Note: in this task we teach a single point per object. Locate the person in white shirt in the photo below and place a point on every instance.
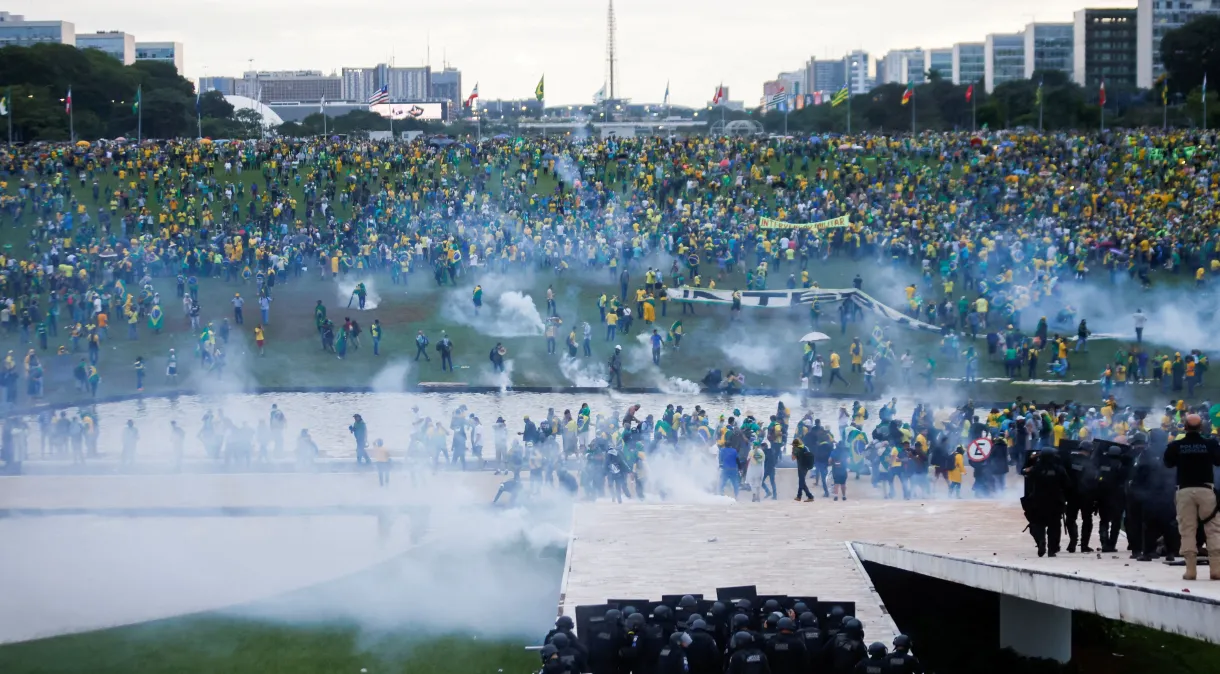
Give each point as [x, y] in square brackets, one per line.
[1140, 321]
[870, 367]
[816, 370]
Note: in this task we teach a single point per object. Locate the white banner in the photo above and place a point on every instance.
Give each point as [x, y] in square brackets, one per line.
[779, 299]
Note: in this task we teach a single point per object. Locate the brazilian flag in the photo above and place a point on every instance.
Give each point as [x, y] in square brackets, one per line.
[540, 90]
[155, 318]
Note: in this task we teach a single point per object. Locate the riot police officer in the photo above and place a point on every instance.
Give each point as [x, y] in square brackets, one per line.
[747, 658]
[847, 649]
[551, 662]
[673, 657]
[876, 663]
[571, 656]
[1111, 462]
[703, 654]
[604, 644]
[1045, 486]
[811, 634]
[1081, 497]
[901, 661]
[785, 650]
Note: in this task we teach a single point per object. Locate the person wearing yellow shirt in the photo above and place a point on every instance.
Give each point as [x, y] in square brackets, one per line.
[611, 325]
[1058, 431]
[260, 339]
[957, 472]
[835, 371]
[1199, 277]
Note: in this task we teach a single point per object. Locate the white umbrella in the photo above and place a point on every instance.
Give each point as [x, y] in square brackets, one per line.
[816, 337]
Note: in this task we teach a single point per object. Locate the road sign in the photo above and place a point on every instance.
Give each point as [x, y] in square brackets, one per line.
[979, 450]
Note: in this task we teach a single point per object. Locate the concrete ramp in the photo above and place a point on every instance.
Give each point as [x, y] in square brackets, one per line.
[636, 550]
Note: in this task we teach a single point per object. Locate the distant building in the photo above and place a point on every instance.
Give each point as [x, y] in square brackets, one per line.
[1105, 47]
[290, 86]
[166, 52]
[404, 84]
[225, 85]
[940, 60]
[1048, 46]
[16, 31]
[1003, 59]
[446, 85]
[857, 66]
[1154, 18]
[116, 43]
[828, 76]
[903, 66]
[969, 62]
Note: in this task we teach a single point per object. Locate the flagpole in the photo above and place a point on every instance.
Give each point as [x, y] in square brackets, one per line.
[71, 117]
[912, 110]
[139, 116]
[9, 96]
[848, 110]
[974, 114]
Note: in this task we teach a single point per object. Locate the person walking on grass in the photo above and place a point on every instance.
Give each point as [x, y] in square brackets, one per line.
[260, 338]
[381, 461]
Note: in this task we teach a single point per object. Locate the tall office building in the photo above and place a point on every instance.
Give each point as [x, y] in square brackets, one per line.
[857, 65]
[1154, 18]
[290, 86]
[903, 66]
[227, 86]
[828, 76]
[165, 52]
[1048, 46]
[969, 62]
[1105, 47]
[447, 86]
[1003, 59]
[15, 31]
[119, 45]
[940, 60]
[404, 84]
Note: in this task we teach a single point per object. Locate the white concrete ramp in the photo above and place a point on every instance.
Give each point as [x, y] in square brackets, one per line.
[644, 551]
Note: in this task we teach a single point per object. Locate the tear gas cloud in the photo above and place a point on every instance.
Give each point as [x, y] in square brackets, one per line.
[346, 294]
[509, 314]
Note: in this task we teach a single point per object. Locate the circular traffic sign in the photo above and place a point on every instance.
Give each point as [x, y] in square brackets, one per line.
[979, 450]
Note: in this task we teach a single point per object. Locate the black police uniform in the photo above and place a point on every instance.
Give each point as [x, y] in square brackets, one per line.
[673, 657]
[1081, 500]
[786, 653]
[1111, 481]
[748, 660]
[1045, 488]
[703, 654]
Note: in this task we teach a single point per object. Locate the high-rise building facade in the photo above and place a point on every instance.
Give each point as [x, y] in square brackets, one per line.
[165, 52]
[857, 66]
[969, 62]
[940, 60]
[828, 76]
[227, 86]
[291, 86]
[119, 45]
[16, 31]
[1003, 59]
[903, 66]
[1048, 46]
[447, 86]
[1154, 18]
[1105, 47]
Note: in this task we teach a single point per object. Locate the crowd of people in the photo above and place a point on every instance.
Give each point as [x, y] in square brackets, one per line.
[993, 224]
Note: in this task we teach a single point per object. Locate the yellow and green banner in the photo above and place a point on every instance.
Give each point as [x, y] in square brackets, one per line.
[833, 223]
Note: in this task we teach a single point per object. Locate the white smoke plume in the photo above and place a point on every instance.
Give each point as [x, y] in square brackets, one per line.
[347, 287]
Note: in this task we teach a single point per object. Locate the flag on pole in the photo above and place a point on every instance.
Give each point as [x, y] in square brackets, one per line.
[198, 104]
[4, 103]
[600, 96]
[665, 100]
[474, 95]
[1204, 85]
[380, 96]
[908, 94]
[840, 97]
[68, 102]
[540, 90]
[135, 105]
[1164, 82]
[719, 95]
[322, 105]
[969, 93]
[1038, 96]
[1101, 94]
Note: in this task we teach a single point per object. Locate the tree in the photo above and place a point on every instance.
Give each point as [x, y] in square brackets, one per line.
[213, 104]
[1191, 51]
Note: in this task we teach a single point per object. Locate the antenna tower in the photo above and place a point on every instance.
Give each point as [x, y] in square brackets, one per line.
[611, 57]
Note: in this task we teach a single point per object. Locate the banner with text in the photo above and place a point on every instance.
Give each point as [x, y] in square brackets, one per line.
[780, 299]
[833, 223]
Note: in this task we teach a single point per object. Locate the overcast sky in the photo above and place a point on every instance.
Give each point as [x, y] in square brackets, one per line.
[505, 45]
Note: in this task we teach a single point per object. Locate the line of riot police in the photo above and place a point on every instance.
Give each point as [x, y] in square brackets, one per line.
[1115, 481]
[720, 638]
